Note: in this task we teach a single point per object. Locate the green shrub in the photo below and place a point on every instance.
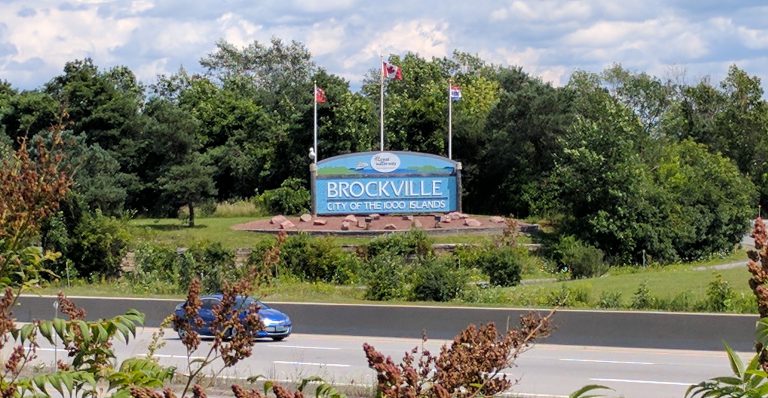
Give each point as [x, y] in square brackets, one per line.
[581, 259]
[438, 279]
[155, 262]
[412, 243]
[212, 263]
[473, 293]
[318, 259]
[291, 198]
[98, 244]
[719, 295]
[642, 298]
[610, 300]
[385, 278]
[503, 265]
[569, 296]
[683, 301]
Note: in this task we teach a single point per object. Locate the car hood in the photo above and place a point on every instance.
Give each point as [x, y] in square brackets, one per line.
[272, 316]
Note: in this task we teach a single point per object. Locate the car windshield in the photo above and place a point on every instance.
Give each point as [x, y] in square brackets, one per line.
[246, 301]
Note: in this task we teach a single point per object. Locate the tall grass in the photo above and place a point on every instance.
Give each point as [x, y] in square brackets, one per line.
[240, 208]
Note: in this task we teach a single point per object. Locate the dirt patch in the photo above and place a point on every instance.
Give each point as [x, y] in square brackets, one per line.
[365, 225]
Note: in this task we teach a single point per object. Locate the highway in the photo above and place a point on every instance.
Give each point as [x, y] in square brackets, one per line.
[547, 370]
[639, 354]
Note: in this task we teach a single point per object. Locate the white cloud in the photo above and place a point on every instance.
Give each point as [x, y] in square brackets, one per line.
[325, 37]
[58, 36]
[542, 11]
[324, 5]
[425, 37]
[236, 30]
[665, 37]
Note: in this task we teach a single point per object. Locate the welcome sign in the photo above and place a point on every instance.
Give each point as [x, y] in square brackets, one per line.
[386, 182]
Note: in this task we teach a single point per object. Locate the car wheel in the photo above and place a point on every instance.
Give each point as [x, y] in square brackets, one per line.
[279, 338]
[182, 334]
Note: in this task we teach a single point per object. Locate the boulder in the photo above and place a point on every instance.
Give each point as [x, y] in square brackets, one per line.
[345, 225]
[287, 224]
[374, 216]
[471, 222]
[277, 220]
[305, 217]
[463, 216]
[319, 221]
[454, 215]
[496, 219]
[408, 218]
[350, 218]
[417, 224]
[361, 224]
[390, 227]
[445, 219]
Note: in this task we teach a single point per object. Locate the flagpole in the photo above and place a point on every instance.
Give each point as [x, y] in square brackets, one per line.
[450, 106]
[314, 95]
[381, 105]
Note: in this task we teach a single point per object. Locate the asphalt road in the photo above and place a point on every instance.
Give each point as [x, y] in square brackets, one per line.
[547, 370]
[588, 328]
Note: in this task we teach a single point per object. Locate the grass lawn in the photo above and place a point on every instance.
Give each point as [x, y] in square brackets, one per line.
[686, 282]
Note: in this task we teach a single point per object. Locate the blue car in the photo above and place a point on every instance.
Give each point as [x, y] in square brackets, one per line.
[277, 325]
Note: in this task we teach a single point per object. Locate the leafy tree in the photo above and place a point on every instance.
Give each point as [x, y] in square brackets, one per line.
[189, 184]
[522, 141]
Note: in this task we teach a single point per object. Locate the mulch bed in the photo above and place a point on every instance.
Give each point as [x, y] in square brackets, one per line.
[454, 223]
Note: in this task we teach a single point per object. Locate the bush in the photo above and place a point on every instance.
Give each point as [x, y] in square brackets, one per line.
[569, 296]
[581, 259]
[156, 267]
[642, 298]
[318, 259]
[610, 300]
[412, 243]
[438, 279]
[98, 244]
[503, 265]
[291, 198]
[385, 278]
[719, 295]
[211, 263]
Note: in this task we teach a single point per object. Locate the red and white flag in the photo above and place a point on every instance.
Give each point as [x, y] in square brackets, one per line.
[320, 95]
[392, 71]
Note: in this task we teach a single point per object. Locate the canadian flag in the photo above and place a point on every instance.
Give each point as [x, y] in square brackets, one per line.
[392, 72]
[320, 95]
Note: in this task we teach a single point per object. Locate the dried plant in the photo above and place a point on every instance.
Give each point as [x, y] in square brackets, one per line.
[471, 365]
[758, 267]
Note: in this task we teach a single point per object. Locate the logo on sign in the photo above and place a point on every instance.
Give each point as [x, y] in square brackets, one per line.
[385, 162]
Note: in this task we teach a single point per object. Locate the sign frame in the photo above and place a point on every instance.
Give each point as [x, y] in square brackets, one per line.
[385, 182]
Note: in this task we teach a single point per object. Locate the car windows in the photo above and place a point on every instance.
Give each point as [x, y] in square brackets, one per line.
[209, 303]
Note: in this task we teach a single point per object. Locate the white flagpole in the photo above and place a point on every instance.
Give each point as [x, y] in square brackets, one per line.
[450, 105]
[381, 105]
[314, 95]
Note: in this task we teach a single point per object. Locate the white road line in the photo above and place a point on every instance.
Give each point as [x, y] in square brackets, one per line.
[305, 347]
[170, 356]
[667, 383]
[330, 365]
[606, 361]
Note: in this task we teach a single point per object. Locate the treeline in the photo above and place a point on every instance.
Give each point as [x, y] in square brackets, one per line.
[636, 165]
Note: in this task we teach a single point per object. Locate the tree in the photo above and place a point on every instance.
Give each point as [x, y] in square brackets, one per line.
[188, 184]
[522, 139]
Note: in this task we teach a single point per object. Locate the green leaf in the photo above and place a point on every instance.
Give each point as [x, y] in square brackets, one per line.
[84, 330]
[46, 330]
[26, 331]
[761, 331]
[736, 365]
[124, 330]
[591, 387]
[60, 326]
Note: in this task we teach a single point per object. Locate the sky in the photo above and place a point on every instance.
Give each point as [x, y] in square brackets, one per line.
[685, 39]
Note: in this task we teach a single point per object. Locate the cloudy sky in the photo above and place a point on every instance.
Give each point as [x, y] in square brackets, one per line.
[549, 39]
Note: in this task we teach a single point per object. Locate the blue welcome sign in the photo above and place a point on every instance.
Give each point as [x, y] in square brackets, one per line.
[385, 183]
